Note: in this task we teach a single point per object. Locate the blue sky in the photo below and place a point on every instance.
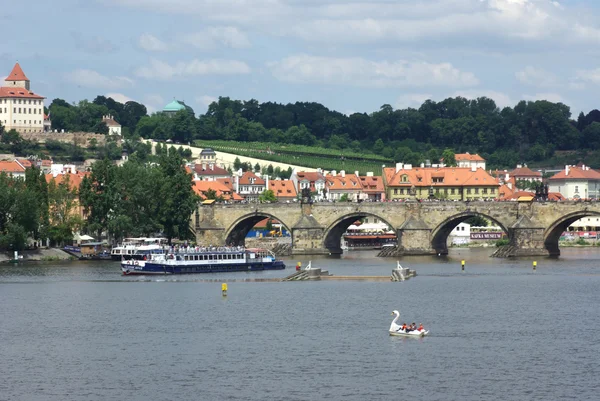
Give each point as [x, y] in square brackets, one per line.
[349, 55]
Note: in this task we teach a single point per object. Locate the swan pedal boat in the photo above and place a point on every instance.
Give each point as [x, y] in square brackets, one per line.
[396, 329]
[414, 333]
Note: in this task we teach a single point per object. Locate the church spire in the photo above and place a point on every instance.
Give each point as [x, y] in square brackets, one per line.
[17, 74]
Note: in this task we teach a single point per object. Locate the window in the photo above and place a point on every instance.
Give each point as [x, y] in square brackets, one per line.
[485, 190]
[402, 191]
[404, 178]
[452, 191]
[493, 190]
[395, 191]
[19, 109]
[477, 190]
[469, 191]
[14, 109]
[576, 188]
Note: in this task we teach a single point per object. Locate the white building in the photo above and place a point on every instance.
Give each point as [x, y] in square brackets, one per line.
[576, 183]
[470, 161]
[114, 128]
[460, 235]
[20, 108]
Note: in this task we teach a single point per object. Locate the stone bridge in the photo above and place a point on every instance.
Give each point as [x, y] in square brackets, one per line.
[533, 228]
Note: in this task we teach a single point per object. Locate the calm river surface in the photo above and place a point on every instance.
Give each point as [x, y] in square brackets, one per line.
[499, 331]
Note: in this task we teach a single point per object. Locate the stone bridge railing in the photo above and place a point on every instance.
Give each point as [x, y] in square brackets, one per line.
[422, 228]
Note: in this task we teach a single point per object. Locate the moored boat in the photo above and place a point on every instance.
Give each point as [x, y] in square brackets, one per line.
[130, 246]
[201, 260]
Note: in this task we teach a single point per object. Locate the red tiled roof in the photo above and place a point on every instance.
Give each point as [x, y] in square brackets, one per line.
[110, 122]
[505, 192]
[263, 223]
[372, 184]
[228, 182]
[553, 196]
[200, 187]
[25, 163]
[11, 167]
[18, 93]
[216, 170]
[311, 176]
[469, 157]
[16, 74]
[576, 173]
[283, 188]
[74, 179]
[347, 183]
[525, 172]
[245, 179]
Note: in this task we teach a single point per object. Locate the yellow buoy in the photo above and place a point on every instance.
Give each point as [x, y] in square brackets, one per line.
[534, 264]
[224, 289]
[462, 265]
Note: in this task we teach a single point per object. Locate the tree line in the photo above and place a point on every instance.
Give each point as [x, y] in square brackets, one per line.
[535, 132]
[135, 199]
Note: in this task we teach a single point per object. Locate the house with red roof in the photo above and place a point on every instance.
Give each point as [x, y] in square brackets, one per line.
[373, 188]
[576, 182]
[342, 184]
[201, 188]
[313, 180]
[208, 171]
[13, 168]
[454, 183]
[249, 185]
[469, 160]
[284, 190]
[20, 108]
[524, 173]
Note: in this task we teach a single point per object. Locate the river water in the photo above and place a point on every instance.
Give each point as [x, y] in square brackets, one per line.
[498, 331]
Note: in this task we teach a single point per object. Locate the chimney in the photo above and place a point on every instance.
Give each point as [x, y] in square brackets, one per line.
[356, 173]
[398, 167]
[333, 172]
[236, 181]
[422, 165]
[427, 163]
[343, 173]
[408, 166]
[266, 182]
[566, 170]
[369, 174]
[519, 166]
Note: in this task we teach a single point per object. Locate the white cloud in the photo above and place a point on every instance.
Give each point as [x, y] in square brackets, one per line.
[588, 75]
[206, 100]
[119, 97]
[214, 37]
[154, 102]
[357, 71]
[93, 79]
[151, 43]
[413, 100]
[502, 99]
[536, 77]
[161, 70]
[551, 97]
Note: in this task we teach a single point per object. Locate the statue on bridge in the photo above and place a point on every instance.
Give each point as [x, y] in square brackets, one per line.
[541, 192]
[306, 197]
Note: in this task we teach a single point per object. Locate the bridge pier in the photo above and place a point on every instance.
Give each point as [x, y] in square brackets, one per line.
[414, 238]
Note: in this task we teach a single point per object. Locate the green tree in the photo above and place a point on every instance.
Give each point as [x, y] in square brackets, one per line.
[449, 157]
[267, 196]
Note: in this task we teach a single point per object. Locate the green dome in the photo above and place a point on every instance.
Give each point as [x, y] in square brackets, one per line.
[174, 106]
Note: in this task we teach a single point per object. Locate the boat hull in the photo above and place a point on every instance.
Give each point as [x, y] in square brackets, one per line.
[149, 268]
[409, 334]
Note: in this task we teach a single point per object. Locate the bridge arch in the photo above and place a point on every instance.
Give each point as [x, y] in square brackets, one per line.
[439, 236]
[332, 237]
[236, 233]
[555, 230]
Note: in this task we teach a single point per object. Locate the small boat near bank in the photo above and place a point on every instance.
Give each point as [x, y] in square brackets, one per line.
[200, 260]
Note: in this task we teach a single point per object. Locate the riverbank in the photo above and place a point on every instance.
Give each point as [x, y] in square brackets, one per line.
[37, 255]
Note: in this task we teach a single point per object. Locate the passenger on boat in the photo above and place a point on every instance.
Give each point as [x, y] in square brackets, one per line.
[421, 328]
[404, 327]
[413, 326]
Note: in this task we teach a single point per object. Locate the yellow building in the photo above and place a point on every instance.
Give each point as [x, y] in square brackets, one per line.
[452, 183]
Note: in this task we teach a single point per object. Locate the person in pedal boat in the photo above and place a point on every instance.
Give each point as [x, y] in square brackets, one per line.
[421, 328]
[404, 327]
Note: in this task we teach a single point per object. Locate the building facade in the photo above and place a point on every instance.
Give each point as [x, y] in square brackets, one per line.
[452, 183]
[576, 183]
[468, 160]
[20, 108]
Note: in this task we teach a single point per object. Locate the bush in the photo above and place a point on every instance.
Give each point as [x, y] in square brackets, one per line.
[502, 242]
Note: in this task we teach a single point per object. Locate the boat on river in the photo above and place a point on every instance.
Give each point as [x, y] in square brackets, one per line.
[130, 246]
[189, 260]
[396, 329]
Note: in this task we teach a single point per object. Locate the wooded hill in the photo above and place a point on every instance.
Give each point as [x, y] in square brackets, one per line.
[540, 133]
